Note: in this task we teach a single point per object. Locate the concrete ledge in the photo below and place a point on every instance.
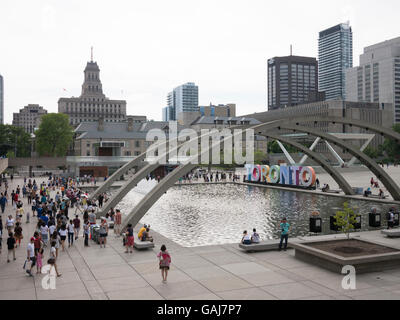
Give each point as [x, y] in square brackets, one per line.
[335, 263]
[262, 246]
[143, 245]
[391, 233]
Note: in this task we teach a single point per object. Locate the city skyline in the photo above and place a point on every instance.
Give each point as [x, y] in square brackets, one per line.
[140, 61]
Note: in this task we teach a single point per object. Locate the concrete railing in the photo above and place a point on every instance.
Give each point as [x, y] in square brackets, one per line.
[3, 164]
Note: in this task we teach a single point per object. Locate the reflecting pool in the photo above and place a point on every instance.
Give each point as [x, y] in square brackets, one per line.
[196, 215]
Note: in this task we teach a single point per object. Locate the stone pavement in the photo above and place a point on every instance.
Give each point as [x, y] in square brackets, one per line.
[200, 273]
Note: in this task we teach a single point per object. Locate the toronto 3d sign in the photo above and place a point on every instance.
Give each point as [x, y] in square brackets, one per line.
[285, 175]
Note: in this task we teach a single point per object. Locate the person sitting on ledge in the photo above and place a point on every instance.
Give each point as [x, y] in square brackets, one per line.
[255, 237]
[246, 239]
[367, 192]
[381, 194]
[140, 233]
[146, 235]
[325, 188]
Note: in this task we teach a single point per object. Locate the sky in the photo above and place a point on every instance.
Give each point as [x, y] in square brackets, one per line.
[146, 48]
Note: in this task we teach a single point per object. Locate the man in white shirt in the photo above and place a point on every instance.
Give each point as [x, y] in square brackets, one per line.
[31, 256]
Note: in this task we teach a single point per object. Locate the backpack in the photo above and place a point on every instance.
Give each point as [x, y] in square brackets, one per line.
[166, 260]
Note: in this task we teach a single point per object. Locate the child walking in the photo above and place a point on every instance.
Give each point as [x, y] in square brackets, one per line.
[164, 261]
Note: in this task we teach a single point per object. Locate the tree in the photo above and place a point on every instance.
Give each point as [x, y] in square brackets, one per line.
[54, 135]
[391, 147]
[260, 157]
[371, 152]
[346, 219]
[273, 147]
[14, 141]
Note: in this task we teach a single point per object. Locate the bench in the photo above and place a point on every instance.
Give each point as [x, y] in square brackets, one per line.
[262, 246]
[332, 191]
[375, 196]
[391, 233]
[142, 245]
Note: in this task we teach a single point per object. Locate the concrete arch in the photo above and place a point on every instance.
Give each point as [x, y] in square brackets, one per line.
[145, 204]
[387, 181]
[388, 133]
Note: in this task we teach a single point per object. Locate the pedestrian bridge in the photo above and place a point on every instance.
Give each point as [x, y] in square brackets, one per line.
[267, 129]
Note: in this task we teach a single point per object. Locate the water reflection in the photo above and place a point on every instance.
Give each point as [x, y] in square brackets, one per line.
[218, 214]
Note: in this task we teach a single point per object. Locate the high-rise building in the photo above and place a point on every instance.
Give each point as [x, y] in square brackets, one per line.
[29, 117]
[182, 102]
[221, 110]
[1, 100]
[169, 113]
[377, 79]
[335, 55]
[92, 104]
[291, 81]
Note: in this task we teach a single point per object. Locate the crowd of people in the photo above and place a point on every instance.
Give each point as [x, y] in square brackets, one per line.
[58, 205]
[212, 176]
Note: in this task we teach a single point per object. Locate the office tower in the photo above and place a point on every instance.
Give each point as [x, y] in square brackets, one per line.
[182, 103]
[335, 55]
[92, 104]
[29, 117]
[377, 79]
[291, 80]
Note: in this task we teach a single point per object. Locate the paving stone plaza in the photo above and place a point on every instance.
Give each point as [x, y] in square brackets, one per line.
[198, 273]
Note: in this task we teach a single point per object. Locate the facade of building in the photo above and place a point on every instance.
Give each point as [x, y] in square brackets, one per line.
[374, 113]
[29, 117]
[377, 79]
[335, 55]
[92, 104]
[221, 110]
[1, 100]
[291, 81]
[183, 99]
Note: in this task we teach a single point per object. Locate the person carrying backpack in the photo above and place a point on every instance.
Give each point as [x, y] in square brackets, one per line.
[164, 262]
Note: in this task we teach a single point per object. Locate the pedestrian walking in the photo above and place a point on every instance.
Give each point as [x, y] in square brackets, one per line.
[164, 262]
[117, 222]
[285, 228]
[11, 243]
[86, 232]
[77, 226]
[71, 233]
[129, 239]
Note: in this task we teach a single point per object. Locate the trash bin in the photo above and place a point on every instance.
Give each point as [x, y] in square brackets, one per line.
[315, 224]
[396, 220]
[332, 225]
[375, 220]
[357, 224]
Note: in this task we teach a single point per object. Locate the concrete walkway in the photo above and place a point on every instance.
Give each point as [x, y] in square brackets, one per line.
[201, 273]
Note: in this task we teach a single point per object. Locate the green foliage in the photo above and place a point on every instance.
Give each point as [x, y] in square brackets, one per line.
[371, 152]
[54, 135]
[391, 147]
[14, 141]
[346, 219]
[273, 147]
[260, 157]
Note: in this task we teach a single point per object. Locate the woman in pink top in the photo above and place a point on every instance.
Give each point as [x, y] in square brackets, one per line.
[117, 222]
[165, 261]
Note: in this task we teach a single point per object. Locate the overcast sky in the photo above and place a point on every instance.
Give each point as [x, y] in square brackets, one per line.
[146, 48]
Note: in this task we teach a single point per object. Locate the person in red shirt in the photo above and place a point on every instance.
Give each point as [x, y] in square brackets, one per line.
[37, 242]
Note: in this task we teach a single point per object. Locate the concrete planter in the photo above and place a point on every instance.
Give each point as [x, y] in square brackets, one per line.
[335, 262]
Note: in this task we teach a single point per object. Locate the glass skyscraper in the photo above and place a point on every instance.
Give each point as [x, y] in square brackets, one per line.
[335, 51]
[184, 98]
